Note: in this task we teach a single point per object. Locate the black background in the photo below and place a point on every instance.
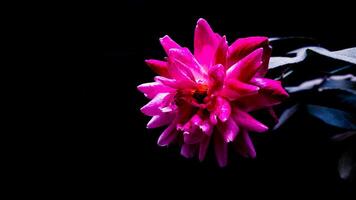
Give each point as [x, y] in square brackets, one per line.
[110, 145]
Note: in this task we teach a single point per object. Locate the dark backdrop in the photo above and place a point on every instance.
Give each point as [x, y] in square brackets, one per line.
[111, 144]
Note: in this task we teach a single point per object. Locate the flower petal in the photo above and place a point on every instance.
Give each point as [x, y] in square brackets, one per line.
[246, 68]
[244, 145]
[221, 52]
[167, 43]
[256, 101]
[203, 147]
[223, 109]
[159, 101]
[186, 58]
[267, 51]
[271, 93]
[150, 90]
[178, 70]
[273, 114]
[205, 43]
[272, 87]
[177, 84]
[229, 130]
[247, 121]
[193, 137]
[188, 150]
[244, 46]
[216, 77]
[235, 89]
[206, 127]
[158, 66]
[168, 135]
[184, 113]
[160, 120]
[220, 149]
[213, 118]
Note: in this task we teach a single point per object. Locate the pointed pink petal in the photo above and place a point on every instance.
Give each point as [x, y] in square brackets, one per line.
[247, 121]
[244, 46]
[167, 43]
[273, 114]
[183, 69]
[152, 108]
[257, 101]
[160, 120]
[185, 113]
[267, 51]
[150, 90]
[246, 68]
[188, 150]
[272, 87]
[189, 126]
[186, 58]
[158, 66]
[179, 70]
[235, 89]
[223, 109]
[206, 127]
[229, 130]
[220, 149]
[205, 43]
[191, 131]
[221, 52]
[244, 145]
[174, 83]
[168, 135]
[193, 137]
[216, 77]
[196, 119]
[213, 118]
[271, 93]
[203, 147]
[167, 82]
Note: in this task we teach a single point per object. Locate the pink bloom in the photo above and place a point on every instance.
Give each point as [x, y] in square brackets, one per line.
[206, 97]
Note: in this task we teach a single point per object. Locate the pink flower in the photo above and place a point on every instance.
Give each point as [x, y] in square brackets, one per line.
[207, 96]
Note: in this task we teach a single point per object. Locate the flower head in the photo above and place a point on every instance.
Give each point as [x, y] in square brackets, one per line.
[206, 97]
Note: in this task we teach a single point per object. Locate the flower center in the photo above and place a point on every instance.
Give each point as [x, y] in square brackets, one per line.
[195, 97]
[200, 94]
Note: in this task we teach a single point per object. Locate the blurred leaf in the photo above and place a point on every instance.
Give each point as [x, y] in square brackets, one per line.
[343, 136]
[282, 45]
[347, 55]
[347, 165]
[345, 82]
[332, 116]
[307, 85]
[286, 115]
[341, 82]
[341, 69]
[335, 98]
